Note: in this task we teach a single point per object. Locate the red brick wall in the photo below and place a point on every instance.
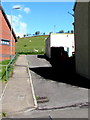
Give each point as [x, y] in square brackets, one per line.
[5, 33]
[4, 58]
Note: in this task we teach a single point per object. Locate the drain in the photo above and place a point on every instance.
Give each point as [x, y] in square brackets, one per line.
[42, 99]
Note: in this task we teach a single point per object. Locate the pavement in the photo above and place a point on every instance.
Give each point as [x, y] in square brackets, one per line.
[18, 95]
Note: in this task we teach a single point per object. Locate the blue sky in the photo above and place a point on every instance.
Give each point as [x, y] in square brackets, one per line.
[40, 16]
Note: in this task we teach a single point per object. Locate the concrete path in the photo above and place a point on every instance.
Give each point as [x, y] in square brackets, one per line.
[0, 88]
[18, 92]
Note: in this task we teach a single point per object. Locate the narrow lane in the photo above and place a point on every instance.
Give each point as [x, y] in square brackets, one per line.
[59, 93]
[45, 84]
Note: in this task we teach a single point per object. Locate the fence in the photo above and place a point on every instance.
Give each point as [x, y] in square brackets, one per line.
[8, 69]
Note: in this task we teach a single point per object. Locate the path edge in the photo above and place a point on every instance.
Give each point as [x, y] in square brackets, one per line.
[32, 88]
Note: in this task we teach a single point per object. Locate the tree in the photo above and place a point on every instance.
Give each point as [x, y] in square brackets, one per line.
[68, 31]
[24, 35]
[50, 32]
[37, 32]
[44, 33]
[18, 37]
[72, 31]
[61, 31]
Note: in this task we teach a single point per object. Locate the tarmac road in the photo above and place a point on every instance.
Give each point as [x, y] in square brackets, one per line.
[47, 83]
[58, 93]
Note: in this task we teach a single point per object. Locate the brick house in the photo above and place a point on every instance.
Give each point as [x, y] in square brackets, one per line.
[5, 37]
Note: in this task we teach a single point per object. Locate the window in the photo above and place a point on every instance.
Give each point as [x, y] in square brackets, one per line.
[5, 42]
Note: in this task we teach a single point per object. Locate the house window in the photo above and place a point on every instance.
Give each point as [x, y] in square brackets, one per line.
[5, 42]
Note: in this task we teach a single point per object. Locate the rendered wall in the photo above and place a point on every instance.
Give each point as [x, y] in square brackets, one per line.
[89, 41]
[65, 40]
[48, 48]
[59, 40]
[82, 54]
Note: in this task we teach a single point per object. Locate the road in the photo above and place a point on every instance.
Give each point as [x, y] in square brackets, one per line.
[65, 100]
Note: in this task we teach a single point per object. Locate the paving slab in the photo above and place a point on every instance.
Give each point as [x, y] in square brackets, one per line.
[0, 95]
[18, 93]
[0, 88]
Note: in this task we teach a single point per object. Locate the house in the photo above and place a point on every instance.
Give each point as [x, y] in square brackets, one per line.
[6, 37]
[82, 38]
[57, 40]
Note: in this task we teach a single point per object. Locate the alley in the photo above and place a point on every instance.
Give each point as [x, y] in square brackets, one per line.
[45, 81]
[64, 100]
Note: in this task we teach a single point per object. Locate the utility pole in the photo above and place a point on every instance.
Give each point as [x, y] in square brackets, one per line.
[11, 44]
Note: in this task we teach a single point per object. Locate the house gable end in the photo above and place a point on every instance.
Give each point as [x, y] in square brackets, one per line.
[8, 23]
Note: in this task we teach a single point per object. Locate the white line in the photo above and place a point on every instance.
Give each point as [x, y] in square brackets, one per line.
[33, 93]
[2, 95]
[30, 80]
[3, 91]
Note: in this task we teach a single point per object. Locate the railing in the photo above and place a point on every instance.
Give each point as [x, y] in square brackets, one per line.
[9, 68]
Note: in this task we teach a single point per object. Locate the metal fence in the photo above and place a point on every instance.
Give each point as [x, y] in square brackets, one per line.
[8, 68]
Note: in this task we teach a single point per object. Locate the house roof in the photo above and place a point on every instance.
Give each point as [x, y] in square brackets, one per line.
[8, 22]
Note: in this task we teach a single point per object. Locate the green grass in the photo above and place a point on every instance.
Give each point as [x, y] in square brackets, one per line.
[4, 114]
[27, 45]
[5, 62]
[9, 68]
[3, 69]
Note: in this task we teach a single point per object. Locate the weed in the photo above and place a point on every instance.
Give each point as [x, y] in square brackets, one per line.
[4, 114]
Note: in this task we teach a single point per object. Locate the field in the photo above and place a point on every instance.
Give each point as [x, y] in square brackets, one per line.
[31, 45]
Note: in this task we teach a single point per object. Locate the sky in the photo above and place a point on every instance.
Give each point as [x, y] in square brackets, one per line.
[39, 16]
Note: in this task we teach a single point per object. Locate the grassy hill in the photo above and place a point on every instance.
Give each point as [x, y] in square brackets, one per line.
[28, 45]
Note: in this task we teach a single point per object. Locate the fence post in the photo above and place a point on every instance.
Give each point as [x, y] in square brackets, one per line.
[6, 72]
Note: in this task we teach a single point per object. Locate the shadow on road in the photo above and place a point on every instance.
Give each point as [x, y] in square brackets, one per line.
[63, 73]
[61, 76]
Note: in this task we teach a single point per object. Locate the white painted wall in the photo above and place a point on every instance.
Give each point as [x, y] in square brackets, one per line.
[48, 49]
[58, 40]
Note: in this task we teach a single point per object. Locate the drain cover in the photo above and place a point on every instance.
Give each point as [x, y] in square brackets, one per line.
[42, 99]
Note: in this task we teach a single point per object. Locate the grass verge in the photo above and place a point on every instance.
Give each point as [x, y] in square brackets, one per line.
[31, 53]
[6, 68]
[3, 65]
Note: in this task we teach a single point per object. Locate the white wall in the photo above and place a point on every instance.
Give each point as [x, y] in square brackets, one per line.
[58, 40]
[65, 40]
[48, 49]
